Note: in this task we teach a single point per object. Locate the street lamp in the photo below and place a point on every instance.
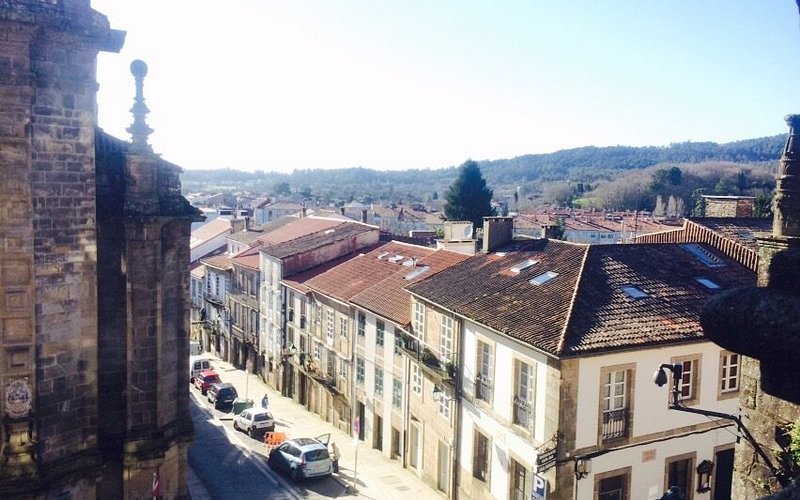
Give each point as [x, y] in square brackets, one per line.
[660, 379]
[439, 395]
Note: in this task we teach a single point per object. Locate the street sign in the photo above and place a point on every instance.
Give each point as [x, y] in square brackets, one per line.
[545, 460]
[539, 489]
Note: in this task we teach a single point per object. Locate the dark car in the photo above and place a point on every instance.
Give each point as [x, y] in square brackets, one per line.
[302, 458]
[205, 380]
[222, 395]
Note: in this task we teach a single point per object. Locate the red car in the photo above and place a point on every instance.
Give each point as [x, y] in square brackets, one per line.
[205, 379]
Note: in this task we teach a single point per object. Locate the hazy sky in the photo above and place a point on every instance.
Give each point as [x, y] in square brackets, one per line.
[391, 84]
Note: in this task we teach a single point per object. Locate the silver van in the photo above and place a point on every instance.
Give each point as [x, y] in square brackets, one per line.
[197, 365]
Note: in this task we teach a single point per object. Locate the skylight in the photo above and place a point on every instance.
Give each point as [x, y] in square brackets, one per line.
[328, 231]
[523, 265]
[382, 255]
[634, 292]
[711, 285]
[409, 262]
[416, 272]
[703, 255]
[543, 278]
[396, 259]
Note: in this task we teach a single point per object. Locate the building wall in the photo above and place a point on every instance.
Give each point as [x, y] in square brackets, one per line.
[656, 432]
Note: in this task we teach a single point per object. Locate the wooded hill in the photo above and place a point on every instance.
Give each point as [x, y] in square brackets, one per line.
[584, 175]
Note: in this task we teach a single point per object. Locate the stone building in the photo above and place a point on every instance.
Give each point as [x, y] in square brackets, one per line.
[94, 241]
[763, 323]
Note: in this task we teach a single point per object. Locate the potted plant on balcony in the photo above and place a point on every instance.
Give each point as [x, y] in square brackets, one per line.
[429, 358]
[450, 368]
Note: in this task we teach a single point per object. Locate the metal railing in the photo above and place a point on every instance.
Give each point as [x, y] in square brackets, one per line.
[615, 424]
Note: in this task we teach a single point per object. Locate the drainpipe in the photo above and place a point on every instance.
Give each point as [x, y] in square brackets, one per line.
[406, 410]
[457, 398]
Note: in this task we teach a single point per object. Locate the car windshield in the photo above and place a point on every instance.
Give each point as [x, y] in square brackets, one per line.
[227, 391]
[260, 417]
[314, 455]
[213, 379]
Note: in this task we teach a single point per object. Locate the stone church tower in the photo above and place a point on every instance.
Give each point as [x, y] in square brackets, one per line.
[94, 246]
[763, 323]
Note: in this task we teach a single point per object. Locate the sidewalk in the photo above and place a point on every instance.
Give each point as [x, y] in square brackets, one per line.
[377, 477]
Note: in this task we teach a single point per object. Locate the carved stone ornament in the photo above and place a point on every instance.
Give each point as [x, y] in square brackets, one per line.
[18, 398]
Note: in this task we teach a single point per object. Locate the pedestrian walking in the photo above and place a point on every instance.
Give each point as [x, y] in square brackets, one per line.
[335, 457]
[265, 401]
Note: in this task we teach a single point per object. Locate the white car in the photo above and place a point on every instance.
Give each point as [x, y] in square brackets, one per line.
[254, 421]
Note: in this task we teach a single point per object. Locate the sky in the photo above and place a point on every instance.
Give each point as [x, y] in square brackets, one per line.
[398, 84]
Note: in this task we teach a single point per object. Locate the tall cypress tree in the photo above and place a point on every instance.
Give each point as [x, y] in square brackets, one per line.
[468, 198]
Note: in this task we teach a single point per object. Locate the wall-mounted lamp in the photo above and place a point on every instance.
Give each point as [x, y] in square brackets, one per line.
[704, 476]
[660, 378]
[583, 466]
[439, 394]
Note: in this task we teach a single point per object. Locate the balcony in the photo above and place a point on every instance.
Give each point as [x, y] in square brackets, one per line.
[522, 412]
[483, 388]
[615, 424]
[416, 350]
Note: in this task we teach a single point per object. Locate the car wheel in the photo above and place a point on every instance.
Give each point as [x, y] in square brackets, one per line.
[251, 432]
[235, 427]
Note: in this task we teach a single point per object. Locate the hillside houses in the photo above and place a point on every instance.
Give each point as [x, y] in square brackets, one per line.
[530, 359]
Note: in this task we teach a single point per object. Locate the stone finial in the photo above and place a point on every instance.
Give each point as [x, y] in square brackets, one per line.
[786, 221]
[139, 130]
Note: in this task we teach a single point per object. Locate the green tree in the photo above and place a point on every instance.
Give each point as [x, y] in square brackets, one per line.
[698, 203]
[282, 188]
[468, 198]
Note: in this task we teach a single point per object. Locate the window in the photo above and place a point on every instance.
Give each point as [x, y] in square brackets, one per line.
[397, 393]
[524, 385]
[709, 284]
[483, 380]
[379, 381]
[443, 406]
[362, 322]
[446, 338]
[416, 379]
[729, 373]
[329, 327]
[331, 356]
[614, 393]
[342, 368]
[398, 340]
[519, 481]
[689, 387]
[679, 474]
[343, 327]
[634, 292]
[360, 370]
[543, 278]
[380, 329]
[613, 485]
[480, 456]
[419, 321]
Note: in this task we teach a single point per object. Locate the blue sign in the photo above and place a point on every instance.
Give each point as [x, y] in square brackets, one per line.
[539, 489]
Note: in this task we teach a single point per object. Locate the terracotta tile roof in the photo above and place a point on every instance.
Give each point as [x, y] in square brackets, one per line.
[254, 233]
[605, 317]
[737, 229]
[292, 242]
[344, 281]
[222, 262]
[389, 299]
[298, 281]
[583, 309]
[246, 259]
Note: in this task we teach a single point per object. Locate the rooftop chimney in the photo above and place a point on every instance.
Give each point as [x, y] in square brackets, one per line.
[364, 215]
[497, 232]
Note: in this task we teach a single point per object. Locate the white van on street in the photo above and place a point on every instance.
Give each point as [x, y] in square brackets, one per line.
[197, 365]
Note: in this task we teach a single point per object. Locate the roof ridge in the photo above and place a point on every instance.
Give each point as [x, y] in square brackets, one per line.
[563, 340]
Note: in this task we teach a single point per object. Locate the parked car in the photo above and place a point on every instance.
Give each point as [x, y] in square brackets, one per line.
[222, 395]
[254, 421]
[197, 365]
[204, 380]
[302, 458]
